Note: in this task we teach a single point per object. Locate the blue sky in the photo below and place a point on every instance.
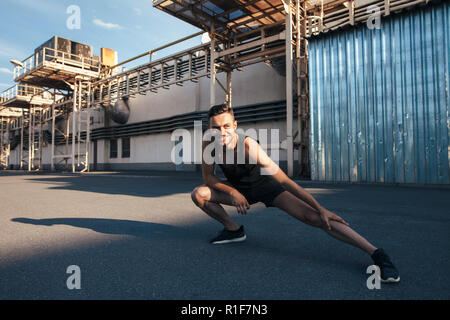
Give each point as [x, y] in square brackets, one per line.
[130, 27]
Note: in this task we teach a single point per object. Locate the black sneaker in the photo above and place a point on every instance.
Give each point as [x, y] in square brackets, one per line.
[389, 272]
[227, 236]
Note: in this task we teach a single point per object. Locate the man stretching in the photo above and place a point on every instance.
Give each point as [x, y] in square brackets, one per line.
[245, 185]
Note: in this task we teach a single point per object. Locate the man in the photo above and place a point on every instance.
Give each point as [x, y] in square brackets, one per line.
[259, 179]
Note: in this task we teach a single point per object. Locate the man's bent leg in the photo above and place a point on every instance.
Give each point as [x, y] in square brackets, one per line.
[300, 210]
[209, 200]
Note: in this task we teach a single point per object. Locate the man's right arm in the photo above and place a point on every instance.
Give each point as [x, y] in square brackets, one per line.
[210, 179]
[238, 200]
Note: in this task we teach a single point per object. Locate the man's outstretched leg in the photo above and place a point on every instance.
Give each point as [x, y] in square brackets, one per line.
[300, 210]
[209, 201]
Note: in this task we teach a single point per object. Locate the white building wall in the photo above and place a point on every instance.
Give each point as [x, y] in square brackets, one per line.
[254, 84]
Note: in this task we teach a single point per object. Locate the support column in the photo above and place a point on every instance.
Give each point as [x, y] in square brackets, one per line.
[41, 137]
[52, 160]
[299, 84]
[75, 96]
[30, 142]
[79, 123]
[88, 127]
[66, 137]
[229, 74]
[289, 140]
[212, 67]
[8, 139]
[229, 88]
[21, 140]
[1, 142]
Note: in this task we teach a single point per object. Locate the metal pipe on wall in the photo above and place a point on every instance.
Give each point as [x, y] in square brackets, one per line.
[289, 140]
[212, 68]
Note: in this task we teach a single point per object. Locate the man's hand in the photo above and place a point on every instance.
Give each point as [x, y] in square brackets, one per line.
[240, 202]
[326, 216]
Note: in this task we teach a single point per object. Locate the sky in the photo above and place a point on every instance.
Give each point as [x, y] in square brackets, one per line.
[130, 27]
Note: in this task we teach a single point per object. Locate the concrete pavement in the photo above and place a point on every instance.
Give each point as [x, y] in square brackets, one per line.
[139, 236]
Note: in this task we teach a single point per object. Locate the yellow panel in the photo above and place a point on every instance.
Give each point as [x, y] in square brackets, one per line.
[108, 57]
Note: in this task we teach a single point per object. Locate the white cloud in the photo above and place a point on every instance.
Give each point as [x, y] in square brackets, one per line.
[137, 11]
[107, 25]
[6, 70]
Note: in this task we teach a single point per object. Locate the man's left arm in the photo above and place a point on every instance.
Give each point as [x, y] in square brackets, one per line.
[301, 193]
[271, 168]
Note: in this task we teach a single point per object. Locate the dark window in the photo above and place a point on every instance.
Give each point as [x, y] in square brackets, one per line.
[113, 148]
[126, 147]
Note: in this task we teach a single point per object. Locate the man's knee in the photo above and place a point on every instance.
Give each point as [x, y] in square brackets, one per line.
[199, 195]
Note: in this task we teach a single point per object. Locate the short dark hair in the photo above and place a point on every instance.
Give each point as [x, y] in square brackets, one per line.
[219, 109]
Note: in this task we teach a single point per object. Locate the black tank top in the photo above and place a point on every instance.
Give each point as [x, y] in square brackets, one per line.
[242, 174]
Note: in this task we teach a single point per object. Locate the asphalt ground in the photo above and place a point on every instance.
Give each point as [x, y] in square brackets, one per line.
[139, 236]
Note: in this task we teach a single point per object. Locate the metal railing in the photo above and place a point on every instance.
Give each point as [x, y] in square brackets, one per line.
[24, 90]
[188, 65]
[49, 56]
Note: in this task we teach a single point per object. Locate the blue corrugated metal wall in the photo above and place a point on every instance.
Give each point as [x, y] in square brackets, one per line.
[379, 100]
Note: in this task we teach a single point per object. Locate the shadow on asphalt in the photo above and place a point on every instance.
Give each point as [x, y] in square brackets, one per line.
[110, 226]
[140, 187]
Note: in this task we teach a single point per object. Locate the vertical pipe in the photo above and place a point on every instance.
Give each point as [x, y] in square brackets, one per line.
[138, 82]
[229, 88]
[299, 86]
[79, 123]
[150, 71]
[212, 68]
[33, 127]
[40, 138]
[88, 127]
[1, 142]
[351, 12]
[21, 140]
[289, 147]
[229, 74]
[30, 117]
[75, 96]
[67, 113]
[190, 65]
[100, 98]
[52, 161]
[8, 142]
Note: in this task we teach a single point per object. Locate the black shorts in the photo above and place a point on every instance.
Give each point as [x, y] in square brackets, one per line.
[264, 192]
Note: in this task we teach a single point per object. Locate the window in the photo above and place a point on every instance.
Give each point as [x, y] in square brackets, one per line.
[126, 147]
[113, 148]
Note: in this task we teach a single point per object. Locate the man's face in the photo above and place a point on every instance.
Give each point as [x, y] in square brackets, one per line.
[224, 125]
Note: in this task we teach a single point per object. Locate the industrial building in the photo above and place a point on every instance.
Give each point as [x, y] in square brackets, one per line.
[359, 91]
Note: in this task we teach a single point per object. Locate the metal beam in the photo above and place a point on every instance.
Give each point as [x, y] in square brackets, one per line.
[289, 100]
[252, 44]
[212, 67]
